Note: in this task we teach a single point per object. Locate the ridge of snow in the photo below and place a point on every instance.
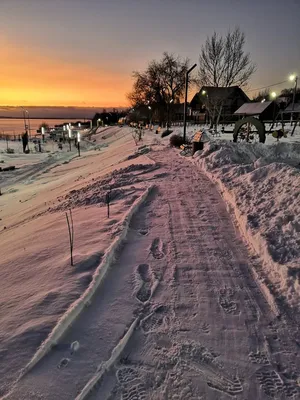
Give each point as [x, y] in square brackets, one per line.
[105, 366]
[264, 192]
[76, 308]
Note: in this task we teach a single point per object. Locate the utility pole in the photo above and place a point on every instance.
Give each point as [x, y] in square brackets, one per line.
[185, 99]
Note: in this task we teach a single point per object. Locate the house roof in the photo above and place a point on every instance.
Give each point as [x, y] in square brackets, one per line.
[290, 110]
[253, 108]
[222, 92]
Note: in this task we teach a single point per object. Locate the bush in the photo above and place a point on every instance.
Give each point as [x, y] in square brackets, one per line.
[176, 140]
[10, 151]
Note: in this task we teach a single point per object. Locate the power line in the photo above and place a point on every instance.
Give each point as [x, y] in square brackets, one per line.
[265, 87]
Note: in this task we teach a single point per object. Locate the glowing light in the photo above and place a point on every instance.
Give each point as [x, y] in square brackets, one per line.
[273, 95]
[78, 137]
[203, 92]
[292, 77]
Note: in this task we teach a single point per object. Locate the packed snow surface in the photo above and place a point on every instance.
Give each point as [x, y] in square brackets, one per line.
[262, 183]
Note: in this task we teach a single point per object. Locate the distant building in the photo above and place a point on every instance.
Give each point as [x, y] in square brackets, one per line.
[231, 98]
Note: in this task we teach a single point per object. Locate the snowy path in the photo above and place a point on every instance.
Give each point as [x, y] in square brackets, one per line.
[208, 332]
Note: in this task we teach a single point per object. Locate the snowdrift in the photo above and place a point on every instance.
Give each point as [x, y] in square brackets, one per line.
[262, 184]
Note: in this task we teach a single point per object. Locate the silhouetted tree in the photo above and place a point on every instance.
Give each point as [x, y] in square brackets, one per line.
[161, 84]
[223, 61]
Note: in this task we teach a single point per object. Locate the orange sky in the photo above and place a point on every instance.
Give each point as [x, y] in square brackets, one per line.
[83, 52]
[29, 79]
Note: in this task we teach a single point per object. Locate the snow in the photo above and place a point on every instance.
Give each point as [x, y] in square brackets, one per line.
[163, 297]
[77, 307]
[262, 185]
[37, 283]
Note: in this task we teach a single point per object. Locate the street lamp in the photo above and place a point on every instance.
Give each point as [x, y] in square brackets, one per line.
[185, 99]
[204, 92]
[79, 125]
[294, 78]
[168, 113]
[69, 136]
[78, 141]
[149, 108]
[43, 134]
[263, 100]
[273, 96]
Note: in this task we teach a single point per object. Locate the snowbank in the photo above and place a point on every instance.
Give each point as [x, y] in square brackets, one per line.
[75, 310]
[262, 184]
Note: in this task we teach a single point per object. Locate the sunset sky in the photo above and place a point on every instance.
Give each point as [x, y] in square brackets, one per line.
[82, 52]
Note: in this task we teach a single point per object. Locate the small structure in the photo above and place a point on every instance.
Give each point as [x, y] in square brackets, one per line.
[253, 115]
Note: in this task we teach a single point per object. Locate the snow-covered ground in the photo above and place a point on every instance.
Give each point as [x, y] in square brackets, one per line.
[262, 185]
[163, 300]
[37, 282]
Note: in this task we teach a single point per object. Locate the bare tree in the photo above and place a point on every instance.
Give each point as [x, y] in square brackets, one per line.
[223, 61]
[161, 84]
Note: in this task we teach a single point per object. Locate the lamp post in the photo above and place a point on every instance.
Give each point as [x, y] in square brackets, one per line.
[78, 143]
[185, 99]
[273, 96]
[150, 119]
[206, 107]
[69, 136]
[295, 79]
[168, 113]
[43, 134]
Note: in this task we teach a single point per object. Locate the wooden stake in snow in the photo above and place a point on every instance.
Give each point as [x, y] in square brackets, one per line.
[71, 233]
[107, 201]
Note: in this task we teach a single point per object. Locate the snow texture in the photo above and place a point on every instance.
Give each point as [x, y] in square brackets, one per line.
[74, 311]
[262, 184]
[106, 366]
